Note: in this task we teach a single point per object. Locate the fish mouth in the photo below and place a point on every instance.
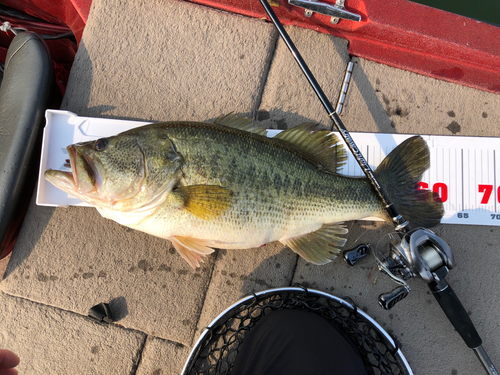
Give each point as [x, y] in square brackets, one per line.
[62, 180]
[82, 170]
[72, 158]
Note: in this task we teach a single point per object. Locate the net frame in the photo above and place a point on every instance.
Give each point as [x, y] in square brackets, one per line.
[218, 345]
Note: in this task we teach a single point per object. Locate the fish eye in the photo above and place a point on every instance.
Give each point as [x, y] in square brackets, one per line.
[100, 144]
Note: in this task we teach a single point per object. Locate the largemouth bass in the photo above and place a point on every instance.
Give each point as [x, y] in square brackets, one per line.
[226, 185]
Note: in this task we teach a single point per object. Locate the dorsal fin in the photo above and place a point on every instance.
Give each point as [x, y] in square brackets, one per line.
[320, 147]
[240, 122]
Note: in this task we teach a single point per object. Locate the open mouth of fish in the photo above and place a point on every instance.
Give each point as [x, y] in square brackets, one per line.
[81, 170]
[81, 179]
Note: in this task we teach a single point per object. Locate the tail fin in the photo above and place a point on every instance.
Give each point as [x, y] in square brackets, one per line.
[399, 175]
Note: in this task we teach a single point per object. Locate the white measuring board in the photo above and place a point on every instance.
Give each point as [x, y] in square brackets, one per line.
[465, 171]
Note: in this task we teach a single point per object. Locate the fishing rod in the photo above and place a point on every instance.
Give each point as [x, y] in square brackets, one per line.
[418, 253]
[401, 224]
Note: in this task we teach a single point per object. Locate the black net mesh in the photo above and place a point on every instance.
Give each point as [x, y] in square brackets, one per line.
[217, 351]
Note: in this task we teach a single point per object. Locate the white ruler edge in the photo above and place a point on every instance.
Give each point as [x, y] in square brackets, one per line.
[465, 171]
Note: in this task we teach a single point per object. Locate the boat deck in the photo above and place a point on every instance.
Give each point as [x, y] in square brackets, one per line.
[172, 60]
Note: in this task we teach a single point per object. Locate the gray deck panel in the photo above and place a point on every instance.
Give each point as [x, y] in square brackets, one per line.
[79, 259]
[287, 99]
[389, 100]
[53, 341]
[162, 357]
[168, 60]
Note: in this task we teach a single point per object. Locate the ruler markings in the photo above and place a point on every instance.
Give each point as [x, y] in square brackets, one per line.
[491, 177]
[473, 179]
[463, 187]
[475, 172]
[483, 169]
[459, 154]
[495, 189]
[482, 179]
[472, 176]
[487, 161]
[478, 176]
[459, 179]
[453, 192]
[459, 174]
[467, 159]
[485, 164]
[446, 177]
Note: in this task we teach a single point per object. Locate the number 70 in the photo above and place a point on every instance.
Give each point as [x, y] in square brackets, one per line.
[487, 190]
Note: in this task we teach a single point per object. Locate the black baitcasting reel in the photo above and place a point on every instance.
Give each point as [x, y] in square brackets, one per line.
[421, 253]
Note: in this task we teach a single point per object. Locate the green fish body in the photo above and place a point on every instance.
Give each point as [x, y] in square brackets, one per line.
[226, 185]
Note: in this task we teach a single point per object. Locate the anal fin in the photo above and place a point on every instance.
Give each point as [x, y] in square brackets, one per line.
[192, 249]
[321, 246]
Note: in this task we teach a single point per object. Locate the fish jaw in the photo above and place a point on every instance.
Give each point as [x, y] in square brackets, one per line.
[65, 182]
[80, 182]
[61, 180]
[84, 173]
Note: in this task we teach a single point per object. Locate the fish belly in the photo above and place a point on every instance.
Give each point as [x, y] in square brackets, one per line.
[257, 219]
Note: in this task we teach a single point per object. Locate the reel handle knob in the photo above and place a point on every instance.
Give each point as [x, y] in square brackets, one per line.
[351, 256]
[388, 300]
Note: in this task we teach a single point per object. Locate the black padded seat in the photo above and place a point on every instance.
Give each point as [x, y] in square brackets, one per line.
[24, 96]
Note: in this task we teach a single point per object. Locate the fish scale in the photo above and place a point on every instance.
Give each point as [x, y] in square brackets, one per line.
[264, 207]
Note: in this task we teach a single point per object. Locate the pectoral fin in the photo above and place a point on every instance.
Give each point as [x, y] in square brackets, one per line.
[204, 201]
[191, 249]
[321, 246]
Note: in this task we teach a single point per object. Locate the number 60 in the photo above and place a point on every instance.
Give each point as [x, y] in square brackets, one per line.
[440, 188]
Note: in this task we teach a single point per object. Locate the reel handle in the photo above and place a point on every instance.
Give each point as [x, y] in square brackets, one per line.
[388, 300]
[455, 312]
[351, 256]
